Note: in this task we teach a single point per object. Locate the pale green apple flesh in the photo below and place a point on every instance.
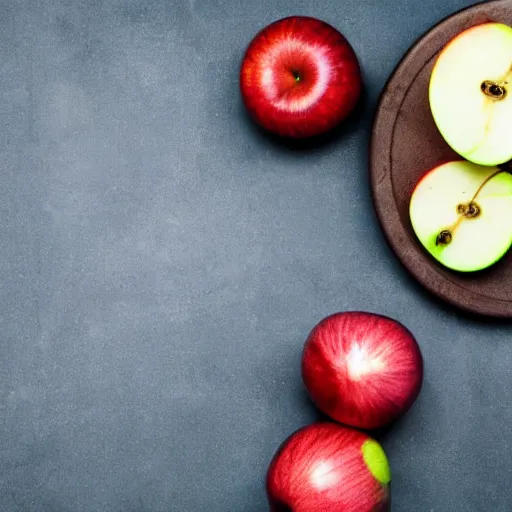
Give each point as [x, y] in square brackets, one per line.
[461, 213]
[470, 94]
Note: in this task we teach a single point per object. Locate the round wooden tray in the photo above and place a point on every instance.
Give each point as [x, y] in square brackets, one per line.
[405, 144]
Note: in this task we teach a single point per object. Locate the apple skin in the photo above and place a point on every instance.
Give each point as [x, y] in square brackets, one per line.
[477, 243]
[474, 124]
[300, 77]
[362, 369]
[326, 467]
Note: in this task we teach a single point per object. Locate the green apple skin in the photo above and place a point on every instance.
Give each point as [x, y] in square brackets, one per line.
[473, 124]
[478, 242]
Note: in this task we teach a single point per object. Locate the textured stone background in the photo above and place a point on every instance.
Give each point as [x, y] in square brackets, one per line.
[162, 263]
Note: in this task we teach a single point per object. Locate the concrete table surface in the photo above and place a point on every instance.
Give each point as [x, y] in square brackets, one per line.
[162, 263]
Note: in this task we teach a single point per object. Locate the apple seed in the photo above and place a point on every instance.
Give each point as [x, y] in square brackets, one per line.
[444, 238]
[469, 211]
[495, 90]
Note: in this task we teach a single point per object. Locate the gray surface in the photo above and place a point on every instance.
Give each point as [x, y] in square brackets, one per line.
[162, 263]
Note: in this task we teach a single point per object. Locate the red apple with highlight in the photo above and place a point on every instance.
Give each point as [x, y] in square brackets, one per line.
[326, 467]
[362, 369]
[300, 77]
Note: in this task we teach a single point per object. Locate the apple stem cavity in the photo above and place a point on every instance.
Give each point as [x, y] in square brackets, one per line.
[470, 210]
[494, 90]
[296, 75]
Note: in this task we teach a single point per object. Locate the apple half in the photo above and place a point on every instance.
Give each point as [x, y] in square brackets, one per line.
[470, 94]
[461, 213]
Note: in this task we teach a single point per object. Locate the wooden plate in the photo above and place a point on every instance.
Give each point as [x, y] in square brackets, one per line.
[405, 144]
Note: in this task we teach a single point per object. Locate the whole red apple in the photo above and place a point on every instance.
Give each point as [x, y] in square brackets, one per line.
[329, 468]
[300, 77]
[362, 369]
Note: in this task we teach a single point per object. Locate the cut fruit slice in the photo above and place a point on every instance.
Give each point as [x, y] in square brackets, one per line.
[470, 94]
[462, 214]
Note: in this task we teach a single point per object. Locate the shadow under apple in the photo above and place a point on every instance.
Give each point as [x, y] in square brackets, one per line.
[453, 310]
[353, 122]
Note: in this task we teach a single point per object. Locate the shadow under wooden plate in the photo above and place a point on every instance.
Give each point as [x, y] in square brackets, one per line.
[406, 144]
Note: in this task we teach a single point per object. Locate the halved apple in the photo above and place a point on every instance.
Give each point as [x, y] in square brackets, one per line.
[462, 214]
[470, 94]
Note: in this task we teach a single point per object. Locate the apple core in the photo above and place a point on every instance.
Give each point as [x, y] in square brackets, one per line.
[470, 210]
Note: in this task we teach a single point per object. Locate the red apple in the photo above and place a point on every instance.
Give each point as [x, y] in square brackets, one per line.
[300, 77]
[329, 468]
[362, 369]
